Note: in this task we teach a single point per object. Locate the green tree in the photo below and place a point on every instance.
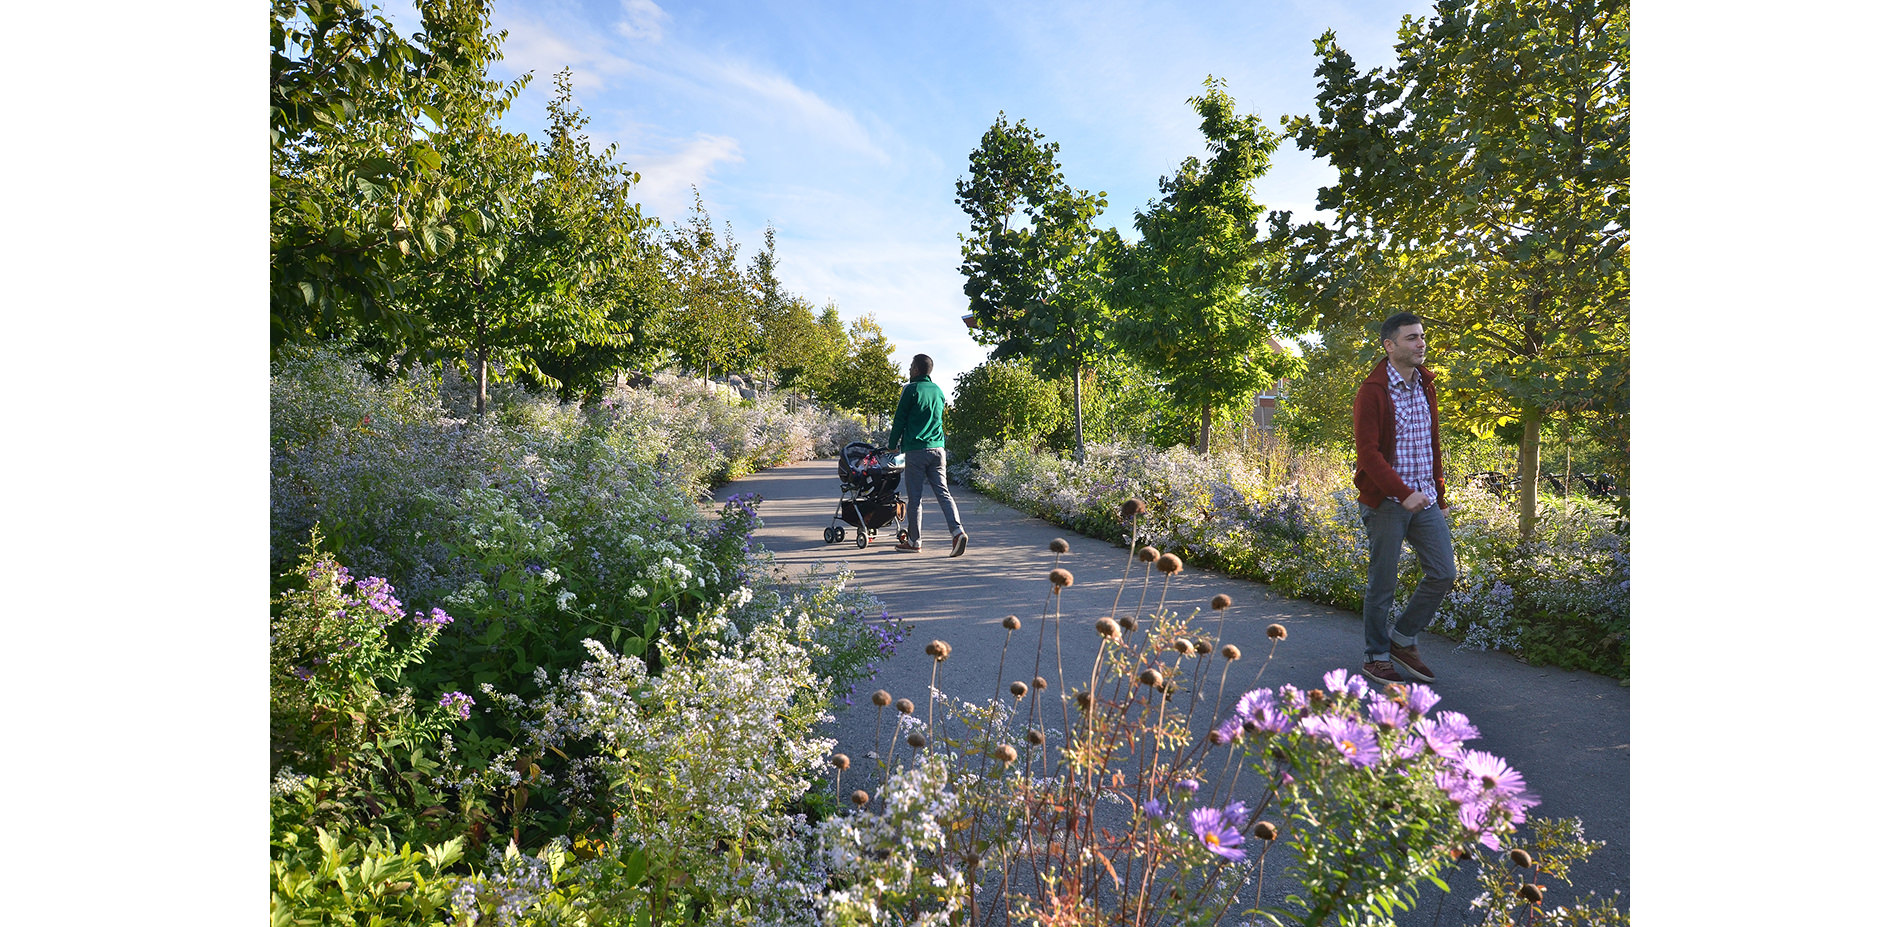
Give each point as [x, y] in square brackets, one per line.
[868, 382]
[795, 348]
[1003, 400]
[356, 189]
[1035, 267]
[1192, 305]
[480, 294]
[601, 267]
[1316, 411]
[1484, 185]
[711, 323]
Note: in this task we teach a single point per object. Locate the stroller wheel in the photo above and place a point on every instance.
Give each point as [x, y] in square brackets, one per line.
[862, 540]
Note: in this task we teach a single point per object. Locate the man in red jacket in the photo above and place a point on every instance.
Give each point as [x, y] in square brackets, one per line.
[1400, 473]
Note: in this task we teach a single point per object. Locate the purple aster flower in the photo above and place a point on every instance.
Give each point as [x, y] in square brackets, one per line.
[434, 619]
[1440, 738]
[1335, 681]
[1187, 785]
[1420, 699]
[1152, 808]
[1387, 713]
[1292, 698]
[1493, 775]
[1458, 725]
[1216, 833]
[376, 592]
[457, 703]
[1355, 741]
[1253, 702]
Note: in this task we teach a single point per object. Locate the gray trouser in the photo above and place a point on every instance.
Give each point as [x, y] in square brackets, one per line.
[927, 466]
[1387, 527]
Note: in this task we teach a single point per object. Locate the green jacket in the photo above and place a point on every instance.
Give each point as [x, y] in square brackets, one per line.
[918, 423]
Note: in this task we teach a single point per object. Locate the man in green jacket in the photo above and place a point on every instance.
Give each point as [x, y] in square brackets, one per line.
[917, 430]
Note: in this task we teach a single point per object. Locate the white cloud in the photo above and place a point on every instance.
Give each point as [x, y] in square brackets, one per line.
[666, 180]
[773, 99]
[643, 21]
[546, 47]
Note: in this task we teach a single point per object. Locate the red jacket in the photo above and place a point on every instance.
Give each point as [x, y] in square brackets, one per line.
[1375, 439]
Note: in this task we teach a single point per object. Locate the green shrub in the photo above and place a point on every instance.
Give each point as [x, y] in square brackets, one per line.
[1001, 400]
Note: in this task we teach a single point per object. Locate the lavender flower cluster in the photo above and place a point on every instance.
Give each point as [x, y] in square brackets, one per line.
[1390, 733]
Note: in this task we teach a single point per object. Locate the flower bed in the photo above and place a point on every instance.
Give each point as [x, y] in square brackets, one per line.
[1561, 598]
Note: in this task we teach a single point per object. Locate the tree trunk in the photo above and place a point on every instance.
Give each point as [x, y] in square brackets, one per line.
[481, 371]
[1527, 475]
[1080, 456]
[1207, 427]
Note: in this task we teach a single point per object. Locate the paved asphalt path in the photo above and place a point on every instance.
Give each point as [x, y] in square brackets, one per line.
[1567, 732]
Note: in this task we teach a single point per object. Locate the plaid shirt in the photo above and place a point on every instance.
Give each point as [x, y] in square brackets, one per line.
[1414, 452]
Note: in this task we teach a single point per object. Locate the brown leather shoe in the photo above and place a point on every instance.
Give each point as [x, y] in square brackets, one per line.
[1381, 674]
[1409, 663]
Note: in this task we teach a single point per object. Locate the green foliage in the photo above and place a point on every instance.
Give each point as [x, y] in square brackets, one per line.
[869, 381]
[1551, 846]
[1001, 400]
[1316, 410]
[1190, 307]
[800, 348]
[1484, 185]
[1035, 267]
[710, 320]
[341, 725]
[357, 191]
[318, 880]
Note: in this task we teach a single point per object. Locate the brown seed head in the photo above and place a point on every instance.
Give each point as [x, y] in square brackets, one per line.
[1147, 555]
[1169, 564]
[1006, 753]
[905, 707]
[1521, 858]
[917, 739]
[1132, 508]
[1108, 628]
[1127, 622]
[1012, 623]
[1039, 683]
[1018, 689]
[1061, 579]
[1203, 646]
[1222, 602]
[841, 761]
[1083, 700]
[1276, 632]
[1059, 545]
[937, 650]
[1034, 737]
[1231, 652]
[880, 698]
[1183, 645]
[860, 798]
[1395, 691]
[1531, 893]
[1266, 831]
[1150, 677]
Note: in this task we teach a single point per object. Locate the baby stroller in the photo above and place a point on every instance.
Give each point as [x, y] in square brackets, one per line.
[867, 492]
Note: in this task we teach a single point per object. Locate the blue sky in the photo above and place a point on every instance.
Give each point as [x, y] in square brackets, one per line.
[846, 125]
